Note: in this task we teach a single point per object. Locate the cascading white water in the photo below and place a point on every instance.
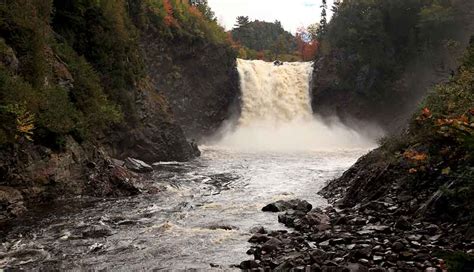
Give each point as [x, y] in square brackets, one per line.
[274, 94]
[276, 112]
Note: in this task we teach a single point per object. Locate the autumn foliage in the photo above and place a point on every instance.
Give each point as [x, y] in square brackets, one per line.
[307, 45]
[168, 8]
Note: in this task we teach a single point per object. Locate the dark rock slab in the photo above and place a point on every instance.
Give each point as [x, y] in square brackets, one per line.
[284, 205]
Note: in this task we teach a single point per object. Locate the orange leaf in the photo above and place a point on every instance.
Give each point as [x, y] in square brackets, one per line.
[426, 113]
[415, 156]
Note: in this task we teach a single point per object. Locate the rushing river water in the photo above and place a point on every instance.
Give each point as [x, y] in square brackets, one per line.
[201, 216]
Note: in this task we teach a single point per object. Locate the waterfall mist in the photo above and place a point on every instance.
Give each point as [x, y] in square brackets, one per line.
[276, 113]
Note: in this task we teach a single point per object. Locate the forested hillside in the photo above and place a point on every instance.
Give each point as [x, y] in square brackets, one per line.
[264, 40]
[377, 58]
[76, 87]
[427, 171]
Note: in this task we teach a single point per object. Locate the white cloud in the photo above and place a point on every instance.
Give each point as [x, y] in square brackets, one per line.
[291, 13]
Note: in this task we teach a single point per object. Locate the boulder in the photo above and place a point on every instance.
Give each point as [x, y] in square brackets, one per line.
[284, 205]
[137, 166]
[11, 203]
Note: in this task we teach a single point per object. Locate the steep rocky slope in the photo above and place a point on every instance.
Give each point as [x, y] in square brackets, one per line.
[84, 86]
[199, 79]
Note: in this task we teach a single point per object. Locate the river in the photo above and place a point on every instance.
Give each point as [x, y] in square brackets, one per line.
[201, 215]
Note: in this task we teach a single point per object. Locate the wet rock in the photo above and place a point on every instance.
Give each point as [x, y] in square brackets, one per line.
[137, 166]
[356, 267]
[315, 268]
[122, 181]
[377, 258]
[363, 252]
[249, 264]
[117, 162]
[290, 218]
[398, 246]
[432, 229]
[337, 241]
[318, 220]
[469, 235]
[259, 238]
[258, 229]
[222, 227]
[285, 266]
[378, 228]
[414, 237]
[358, 221]
[318, 255]
[332, 268]
[11, 202]
[271, 245]
[403, 223]
[284, 205]
[377, 269]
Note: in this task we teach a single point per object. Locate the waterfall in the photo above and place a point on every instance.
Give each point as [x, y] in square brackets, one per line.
[275, 94]
[276, 112]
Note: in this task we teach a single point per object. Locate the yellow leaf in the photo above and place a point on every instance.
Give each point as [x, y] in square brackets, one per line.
[446, 171]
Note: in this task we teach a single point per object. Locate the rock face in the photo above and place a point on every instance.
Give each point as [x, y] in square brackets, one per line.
[155, 135]
[200, 81]
[33, 173]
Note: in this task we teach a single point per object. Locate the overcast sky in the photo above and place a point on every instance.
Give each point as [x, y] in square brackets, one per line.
[291, 13]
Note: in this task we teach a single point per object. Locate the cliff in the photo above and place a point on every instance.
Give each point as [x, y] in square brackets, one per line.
[198, 77]
[85, 85]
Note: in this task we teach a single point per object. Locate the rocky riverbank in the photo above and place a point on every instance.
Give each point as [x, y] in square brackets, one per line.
[36, 174]
[376, 236]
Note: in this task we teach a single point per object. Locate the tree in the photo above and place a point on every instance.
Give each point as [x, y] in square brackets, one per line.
[259, 35]
[307, 47]
[313, 30]
[242, 21]
[324, 21]
[206, 10]
[335, 6]
[281, 46]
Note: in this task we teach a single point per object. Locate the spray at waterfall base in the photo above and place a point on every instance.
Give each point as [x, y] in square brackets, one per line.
[276, 114]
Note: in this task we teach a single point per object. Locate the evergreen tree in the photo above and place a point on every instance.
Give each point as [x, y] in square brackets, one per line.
[203, 6]
[324, 21]
[242, 21]
[335, 6]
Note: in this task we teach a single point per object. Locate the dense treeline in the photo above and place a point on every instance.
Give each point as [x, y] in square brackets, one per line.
[69, 67]
[370, 47]
[385, 35]
[263, 40]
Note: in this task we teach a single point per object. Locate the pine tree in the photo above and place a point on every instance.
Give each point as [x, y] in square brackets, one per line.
[324, 22]
[242, 21]
[335, 6]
